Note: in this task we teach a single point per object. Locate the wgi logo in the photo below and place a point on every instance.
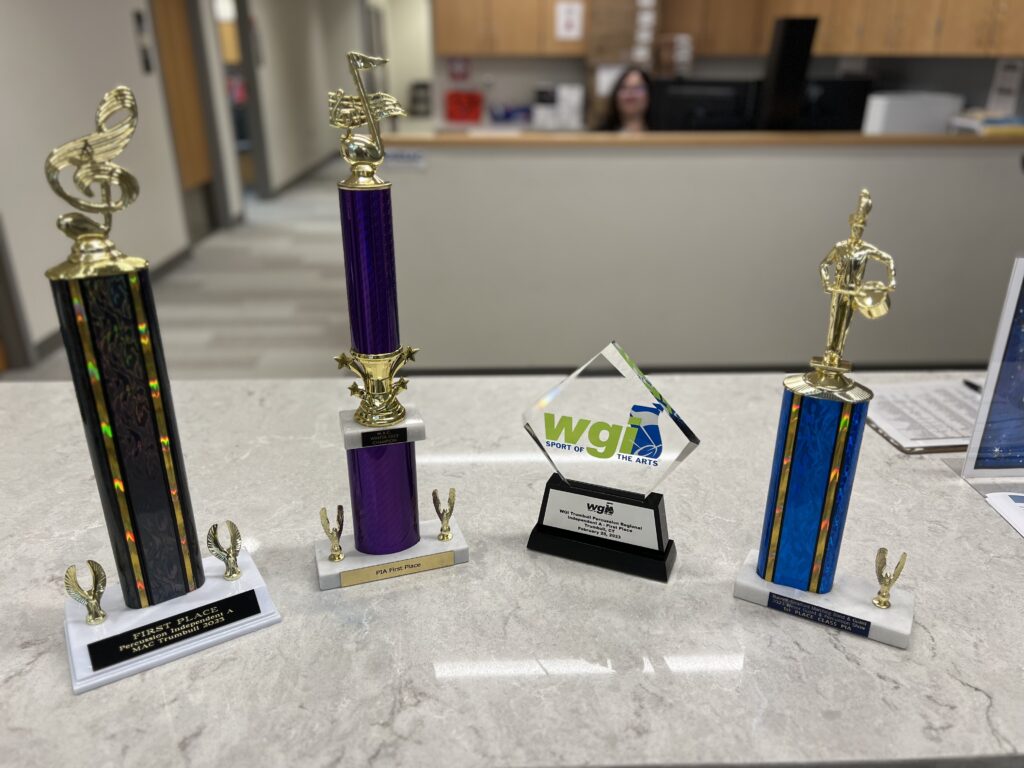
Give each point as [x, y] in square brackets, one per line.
[639, 440]
[601, 509]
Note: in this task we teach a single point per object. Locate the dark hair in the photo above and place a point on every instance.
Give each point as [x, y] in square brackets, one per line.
[613, 120]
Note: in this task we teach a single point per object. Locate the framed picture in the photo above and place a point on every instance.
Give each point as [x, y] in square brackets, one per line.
[997, 443]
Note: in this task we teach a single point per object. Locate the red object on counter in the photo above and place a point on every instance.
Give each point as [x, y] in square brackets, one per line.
[464, 106]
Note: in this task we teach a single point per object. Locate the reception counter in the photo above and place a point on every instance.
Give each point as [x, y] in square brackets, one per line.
[542, 247]
[515, 658]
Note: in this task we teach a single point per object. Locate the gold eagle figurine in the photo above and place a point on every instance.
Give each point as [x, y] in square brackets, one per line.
[334, 534]
[89, 598]
[227, 556]
[445, 515]
[886, 580]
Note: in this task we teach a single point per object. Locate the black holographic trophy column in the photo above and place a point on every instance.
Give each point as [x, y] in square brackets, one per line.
[117, 364]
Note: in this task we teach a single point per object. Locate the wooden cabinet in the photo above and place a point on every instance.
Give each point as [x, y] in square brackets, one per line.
[841, 30]
[515, 27]
[549, 44]
[1008, 39]
[718, 27]
[903, 28]
[500, 28]
[462, 27]
[968, 28]
[732, 28]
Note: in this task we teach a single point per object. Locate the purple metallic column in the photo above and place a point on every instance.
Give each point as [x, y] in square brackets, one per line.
[370, 269]
[383, 487]
[382, 479]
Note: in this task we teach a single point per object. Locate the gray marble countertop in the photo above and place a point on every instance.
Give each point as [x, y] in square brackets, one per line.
[517, 658]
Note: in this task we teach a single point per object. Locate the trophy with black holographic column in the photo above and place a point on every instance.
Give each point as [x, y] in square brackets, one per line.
[816, 449]
[172, 601]
[611, 439]
[380, 434]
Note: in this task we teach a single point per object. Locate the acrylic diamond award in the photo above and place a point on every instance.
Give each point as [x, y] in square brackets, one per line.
[612, 439]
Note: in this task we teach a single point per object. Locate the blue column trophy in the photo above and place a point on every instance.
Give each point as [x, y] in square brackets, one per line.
[816, 449]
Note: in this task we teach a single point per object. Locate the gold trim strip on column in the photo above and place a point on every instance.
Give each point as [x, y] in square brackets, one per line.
[830, 495]
[93, 372]
[161, 422]
[780, 496]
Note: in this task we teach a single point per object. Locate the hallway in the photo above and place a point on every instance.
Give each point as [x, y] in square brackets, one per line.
[263, 299]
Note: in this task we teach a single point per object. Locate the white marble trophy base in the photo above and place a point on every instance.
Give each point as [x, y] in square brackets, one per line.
[189, 614]
[360, 568]
[848, 606]
[356, 436]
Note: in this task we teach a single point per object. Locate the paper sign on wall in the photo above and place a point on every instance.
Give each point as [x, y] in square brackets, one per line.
[569, 20]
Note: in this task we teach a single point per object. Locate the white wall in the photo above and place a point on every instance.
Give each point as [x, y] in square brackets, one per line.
[299, 43]
[409, 42]
[695, 256]
[57, 59]
[223, 126]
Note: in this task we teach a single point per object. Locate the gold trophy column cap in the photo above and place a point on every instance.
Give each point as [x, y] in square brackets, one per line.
[364, 154]
[96, 176]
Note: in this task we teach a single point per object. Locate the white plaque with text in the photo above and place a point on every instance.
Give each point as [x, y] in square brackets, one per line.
[603, 519]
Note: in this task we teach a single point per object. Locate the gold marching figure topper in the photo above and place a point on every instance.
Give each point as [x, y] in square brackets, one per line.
[843, 276]
[886, 580]
[227, 556]
[334, 534]
[445, 515]
[89, 598]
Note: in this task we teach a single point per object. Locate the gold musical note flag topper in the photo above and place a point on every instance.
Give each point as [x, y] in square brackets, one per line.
[103, 188]
[363, 153]
[843, 277]
[89, 598]
[886, 580]
[445, 515]
[228, 556]
[334, 534]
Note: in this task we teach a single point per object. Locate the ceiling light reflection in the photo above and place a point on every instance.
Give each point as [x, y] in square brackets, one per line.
[698, 663]
[682, 664]
[447, 670]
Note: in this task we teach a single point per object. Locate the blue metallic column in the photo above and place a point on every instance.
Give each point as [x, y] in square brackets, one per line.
[816, 452]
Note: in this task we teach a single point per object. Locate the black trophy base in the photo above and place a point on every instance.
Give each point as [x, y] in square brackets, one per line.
[593, 508]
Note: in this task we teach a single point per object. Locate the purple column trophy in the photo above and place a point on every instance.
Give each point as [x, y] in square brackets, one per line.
[382, 473]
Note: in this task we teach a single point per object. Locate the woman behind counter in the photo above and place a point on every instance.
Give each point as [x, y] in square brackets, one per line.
[629, 108]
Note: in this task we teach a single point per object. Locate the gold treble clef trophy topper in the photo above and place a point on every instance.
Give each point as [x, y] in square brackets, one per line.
[96, 177]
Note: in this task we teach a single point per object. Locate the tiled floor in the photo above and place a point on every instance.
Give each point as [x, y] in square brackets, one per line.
[264, 299]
